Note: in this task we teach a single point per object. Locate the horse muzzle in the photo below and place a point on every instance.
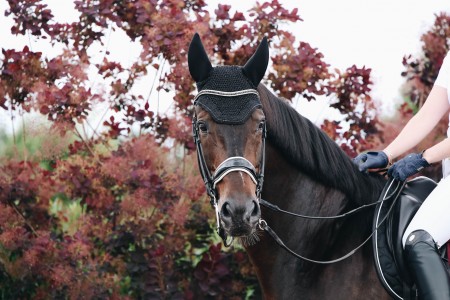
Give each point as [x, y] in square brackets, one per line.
[240, 219]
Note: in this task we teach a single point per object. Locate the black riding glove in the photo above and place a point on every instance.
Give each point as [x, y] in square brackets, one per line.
[408, 166]
[371, 160]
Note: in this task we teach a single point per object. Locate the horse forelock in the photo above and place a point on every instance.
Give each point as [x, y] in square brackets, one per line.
[308, 148]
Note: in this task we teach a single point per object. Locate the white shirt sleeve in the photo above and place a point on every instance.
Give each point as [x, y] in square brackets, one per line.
[443, 79]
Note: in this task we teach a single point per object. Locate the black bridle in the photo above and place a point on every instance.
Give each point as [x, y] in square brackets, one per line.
[241, 164]
[229, 165]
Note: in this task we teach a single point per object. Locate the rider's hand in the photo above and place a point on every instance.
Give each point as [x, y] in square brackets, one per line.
[408, 166]
[371, 160]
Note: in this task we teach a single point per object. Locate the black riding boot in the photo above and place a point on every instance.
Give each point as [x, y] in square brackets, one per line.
[428, 269]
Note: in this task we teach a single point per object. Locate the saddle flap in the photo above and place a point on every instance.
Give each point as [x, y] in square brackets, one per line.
[387, 240]
[411, 198]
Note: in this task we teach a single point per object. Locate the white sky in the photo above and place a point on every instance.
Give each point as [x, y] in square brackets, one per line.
[376, 34]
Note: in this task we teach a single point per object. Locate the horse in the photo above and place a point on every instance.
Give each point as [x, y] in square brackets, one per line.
[253, 145]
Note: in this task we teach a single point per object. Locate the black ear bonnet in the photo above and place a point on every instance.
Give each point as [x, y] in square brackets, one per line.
[227, 93]
[228, 109]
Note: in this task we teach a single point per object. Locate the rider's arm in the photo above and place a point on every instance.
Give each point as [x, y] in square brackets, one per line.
[438, 152]
[435, 107]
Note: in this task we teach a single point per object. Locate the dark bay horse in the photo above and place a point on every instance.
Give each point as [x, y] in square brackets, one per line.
[304, 171]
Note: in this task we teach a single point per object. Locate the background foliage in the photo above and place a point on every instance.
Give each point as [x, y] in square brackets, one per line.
[122, 213]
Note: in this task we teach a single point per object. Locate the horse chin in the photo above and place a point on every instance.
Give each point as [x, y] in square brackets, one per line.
[249, 240]
[245, 237]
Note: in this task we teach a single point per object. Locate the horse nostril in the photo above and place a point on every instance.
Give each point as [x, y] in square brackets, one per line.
[247, 213]
[226, 210]
[255, 210]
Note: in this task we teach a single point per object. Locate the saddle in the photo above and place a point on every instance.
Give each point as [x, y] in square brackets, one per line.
[392, 217]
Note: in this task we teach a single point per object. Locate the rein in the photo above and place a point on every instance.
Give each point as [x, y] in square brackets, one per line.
[276, 208]
[394, 195]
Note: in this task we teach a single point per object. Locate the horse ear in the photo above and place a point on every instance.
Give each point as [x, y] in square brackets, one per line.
[256, 66]
[198, 61]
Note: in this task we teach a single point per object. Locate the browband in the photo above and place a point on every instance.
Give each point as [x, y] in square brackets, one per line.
[226, 94]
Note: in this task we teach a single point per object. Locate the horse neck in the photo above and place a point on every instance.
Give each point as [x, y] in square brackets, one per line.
[291, 189]
[295, 191]
[307, 173]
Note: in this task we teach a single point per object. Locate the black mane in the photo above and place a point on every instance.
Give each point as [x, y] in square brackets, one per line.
[313, 152]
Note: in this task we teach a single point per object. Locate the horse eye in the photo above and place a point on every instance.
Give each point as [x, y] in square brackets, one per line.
[261, 125]
[202, 127]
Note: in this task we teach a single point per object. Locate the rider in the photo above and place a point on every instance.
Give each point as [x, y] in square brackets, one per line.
[430, 228]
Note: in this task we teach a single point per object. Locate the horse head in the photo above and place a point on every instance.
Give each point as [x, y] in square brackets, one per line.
[229, 129]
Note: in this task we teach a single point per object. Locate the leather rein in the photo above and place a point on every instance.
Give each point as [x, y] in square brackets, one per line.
[241, 164]
[393, 195]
